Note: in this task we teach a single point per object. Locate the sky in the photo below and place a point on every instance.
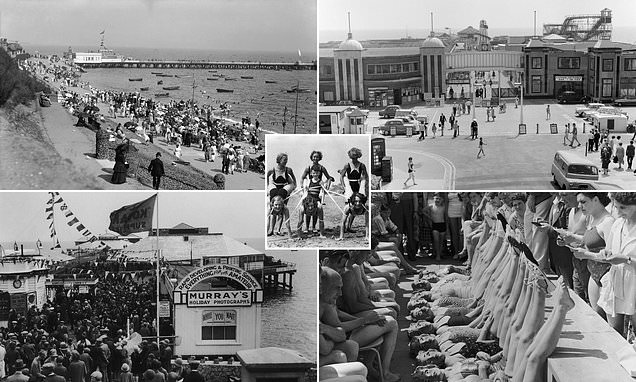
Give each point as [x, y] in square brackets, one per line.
[413, 17]
[246, 25]
[236, 214]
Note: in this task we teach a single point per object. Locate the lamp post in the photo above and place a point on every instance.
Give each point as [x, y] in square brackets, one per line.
[473, 84]
[520, 84]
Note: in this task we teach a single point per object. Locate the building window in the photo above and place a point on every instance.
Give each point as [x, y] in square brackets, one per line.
[606, 87]
[186, 238]
[218, 325]
[328, 96]
[608, 64]
[326, 70]
[370, 69]
[537, 63]
[535, 84]
[569, 63]
[590, 63]
[630, 64]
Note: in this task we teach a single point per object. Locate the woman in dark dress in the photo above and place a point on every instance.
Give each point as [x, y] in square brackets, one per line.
[120, 171]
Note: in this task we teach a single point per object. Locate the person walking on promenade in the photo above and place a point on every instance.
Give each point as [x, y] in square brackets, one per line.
[473, 129]
[487, 114]
[455, 129]
[630, 154]
[120, 170]
[468, 105]
[411, 172]
[156, 170]
[606, 157]
[590, 140]
[566, 136]
[481, 148]
[574, 136]
[620, 154]
[442, 120]
[548, 115]
[434, 130]
[597, 139]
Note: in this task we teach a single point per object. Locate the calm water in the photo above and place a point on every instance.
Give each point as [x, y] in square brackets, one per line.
[289, 319]
[251, 97]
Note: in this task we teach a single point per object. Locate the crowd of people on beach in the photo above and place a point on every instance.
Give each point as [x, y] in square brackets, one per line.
[316, 189]
[588, 239]
[183, 123]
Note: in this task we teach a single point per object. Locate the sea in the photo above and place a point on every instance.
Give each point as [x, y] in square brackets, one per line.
[269, 102]
[289, 318]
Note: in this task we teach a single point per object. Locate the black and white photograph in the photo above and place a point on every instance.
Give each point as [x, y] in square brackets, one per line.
[535, 95]
[93, 91]
[318, 190]
[490, 286]
[134, 286]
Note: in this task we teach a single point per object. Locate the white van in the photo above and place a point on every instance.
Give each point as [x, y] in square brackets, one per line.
[570, 171]
[612, 123]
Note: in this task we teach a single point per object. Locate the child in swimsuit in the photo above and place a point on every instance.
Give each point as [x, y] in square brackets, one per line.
[316, 157]
[314, 191]
[355, 207]
[278, 214]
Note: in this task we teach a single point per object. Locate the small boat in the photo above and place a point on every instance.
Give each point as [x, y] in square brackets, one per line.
[160, 82]
[156, 73]
[182, 76]
[144, 89]
[298, 90]
[170, 88]
[247, 77]
[230, 79]
[212, 71]
[159, 95]
[135, 79]
[212, 79]
[270, 82]
[165, 75]
[224, 90]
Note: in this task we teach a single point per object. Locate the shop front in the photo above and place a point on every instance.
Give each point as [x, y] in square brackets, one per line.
[570, 84]
[217, 311]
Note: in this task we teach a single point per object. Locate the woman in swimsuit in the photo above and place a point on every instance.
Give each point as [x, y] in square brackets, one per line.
[356, 206]
[356, 172]
[280, 180]
[316, 157]
[278, 215]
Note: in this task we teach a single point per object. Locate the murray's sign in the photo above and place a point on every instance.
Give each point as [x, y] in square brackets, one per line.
[220, 298]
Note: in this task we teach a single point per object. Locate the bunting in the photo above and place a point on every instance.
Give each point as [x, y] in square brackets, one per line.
[72, 222]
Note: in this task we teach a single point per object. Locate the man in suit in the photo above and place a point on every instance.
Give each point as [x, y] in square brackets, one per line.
[156, 170]
[194, 375]
[47, 370]
[18, 376]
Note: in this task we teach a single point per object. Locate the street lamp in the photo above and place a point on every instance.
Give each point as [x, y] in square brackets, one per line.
[520, 84]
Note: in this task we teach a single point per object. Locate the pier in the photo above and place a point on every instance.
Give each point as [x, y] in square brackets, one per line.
[276, 276]
[158, 64]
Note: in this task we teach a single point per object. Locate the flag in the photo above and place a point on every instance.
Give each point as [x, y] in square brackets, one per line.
[299, 55]
[80, 227]
[102, 32]
[49, 209]
[73, 222]
[133, 218]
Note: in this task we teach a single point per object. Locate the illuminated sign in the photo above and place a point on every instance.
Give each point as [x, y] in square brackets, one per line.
[219, 298]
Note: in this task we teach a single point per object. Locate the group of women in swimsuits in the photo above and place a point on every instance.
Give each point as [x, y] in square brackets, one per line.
[316, 183]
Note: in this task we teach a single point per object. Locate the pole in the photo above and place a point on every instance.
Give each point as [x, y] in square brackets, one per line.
[522, 101]
[535, 25]
[158, 258]
[296, 111]
[470, 78]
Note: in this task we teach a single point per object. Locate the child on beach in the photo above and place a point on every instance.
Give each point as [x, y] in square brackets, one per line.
[355, 207]
[313, 192]
[278, 215]
[316, 157]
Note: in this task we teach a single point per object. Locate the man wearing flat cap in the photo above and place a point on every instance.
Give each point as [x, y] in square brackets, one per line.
[18, 376]
[47, 370]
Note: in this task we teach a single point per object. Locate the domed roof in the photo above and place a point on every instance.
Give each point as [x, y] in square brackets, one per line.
[350, 44]
[432, 42]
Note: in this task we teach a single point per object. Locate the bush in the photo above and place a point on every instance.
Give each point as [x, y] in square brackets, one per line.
[17, 86]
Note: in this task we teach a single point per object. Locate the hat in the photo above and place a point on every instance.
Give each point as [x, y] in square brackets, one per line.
[149, 375]
[97, 375]
[125, 367]
[19, 364]
[52, 353]
[178, 361]
[48, 365]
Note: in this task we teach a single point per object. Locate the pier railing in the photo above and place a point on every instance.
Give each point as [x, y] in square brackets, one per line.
[182, 64]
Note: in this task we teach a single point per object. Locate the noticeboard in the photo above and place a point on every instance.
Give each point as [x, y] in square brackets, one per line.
[19, 303]
[522, 129]
[554, 129]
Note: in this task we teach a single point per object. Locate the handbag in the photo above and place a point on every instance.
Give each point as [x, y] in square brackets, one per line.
[615, 159]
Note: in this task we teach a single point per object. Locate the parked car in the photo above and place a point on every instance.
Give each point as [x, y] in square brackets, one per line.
[625, 102]
[583, 110]
[398, 124]
[572, 97]
[570, 171]
[389, 111]
[610, 110]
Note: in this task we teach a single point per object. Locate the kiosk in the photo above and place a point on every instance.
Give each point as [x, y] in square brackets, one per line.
[217, 311]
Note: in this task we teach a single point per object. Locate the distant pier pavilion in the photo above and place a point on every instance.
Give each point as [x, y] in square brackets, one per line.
[155, 64]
